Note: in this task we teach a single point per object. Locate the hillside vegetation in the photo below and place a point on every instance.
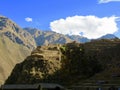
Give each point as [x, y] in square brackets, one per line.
[10, 54]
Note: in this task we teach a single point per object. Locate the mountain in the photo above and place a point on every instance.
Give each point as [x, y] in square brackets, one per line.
[71, 63]
[15, 45]
[15, 33]
[47, 37]
[78, 38]
[50, 37]
[108, 36]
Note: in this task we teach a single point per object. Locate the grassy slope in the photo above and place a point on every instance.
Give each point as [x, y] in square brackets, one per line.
[10, 54]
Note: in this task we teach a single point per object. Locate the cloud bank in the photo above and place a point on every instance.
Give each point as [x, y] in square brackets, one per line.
[107, 1]
[28, 19]
[87, 26]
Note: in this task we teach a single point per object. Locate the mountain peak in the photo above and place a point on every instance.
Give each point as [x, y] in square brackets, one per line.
[16, 34]
[2, 16]
[108, 36]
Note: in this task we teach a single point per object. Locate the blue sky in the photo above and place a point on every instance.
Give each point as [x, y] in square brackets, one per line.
[61, 15]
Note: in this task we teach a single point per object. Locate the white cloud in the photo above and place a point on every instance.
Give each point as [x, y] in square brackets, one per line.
[28, 19]
[107, 1]
[90, 26]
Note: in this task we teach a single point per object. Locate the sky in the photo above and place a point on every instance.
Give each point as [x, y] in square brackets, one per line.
[88, 18]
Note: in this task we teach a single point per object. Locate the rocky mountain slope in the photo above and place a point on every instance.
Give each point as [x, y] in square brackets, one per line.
[15, 45]
[50, 37]
[15, 33]
[47, 37]
[78, 38]
[70, 63]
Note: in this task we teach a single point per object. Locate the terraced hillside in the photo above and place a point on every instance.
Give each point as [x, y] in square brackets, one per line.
[101, 44]
[71, 63]
[50, 52]
[43, 61]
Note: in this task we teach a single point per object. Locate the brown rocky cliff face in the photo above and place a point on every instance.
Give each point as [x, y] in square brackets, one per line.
[43, 61]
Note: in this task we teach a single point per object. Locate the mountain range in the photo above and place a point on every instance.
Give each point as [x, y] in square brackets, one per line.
[16, 43]
[50, 37]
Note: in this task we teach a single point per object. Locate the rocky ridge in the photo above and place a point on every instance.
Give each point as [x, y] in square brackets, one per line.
[15, 33]
[47, 37]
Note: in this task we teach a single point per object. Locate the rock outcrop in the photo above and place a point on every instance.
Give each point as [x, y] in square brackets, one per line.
[43, 61]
